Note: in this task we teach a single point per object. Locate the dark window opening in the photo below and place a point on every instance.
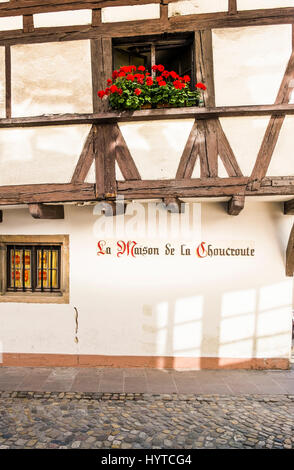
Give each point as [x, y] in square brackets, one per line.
[173, 51]
[33, 268]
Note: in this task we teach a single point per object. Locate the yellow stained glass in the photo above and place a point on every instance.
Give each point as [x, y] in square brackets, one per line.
[49, 268]
[16, 268]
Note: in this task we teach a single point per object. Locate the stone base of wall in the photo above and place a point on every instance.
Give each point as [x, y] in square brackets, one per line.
[156, 362]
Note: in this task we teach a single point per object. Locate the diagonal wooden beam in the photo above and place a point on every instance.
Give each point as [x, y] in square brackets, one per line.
[124, 158]
[290, 255]
[274, 126]
[226, 153]
[104, 152]
[289, 207]
[188, 160]
[42, 211]
[236, 204]
[85, 161]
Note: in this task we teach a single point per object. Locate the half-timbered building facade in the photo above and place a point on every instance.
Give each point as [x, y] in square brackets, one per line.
[158, 237]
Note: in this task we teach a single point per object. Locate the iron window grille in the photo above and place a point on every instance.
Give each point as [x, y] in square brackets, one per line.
[33, 268]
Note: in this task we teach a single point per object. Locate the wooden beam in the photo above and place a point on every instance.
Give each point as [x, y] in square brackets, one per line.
[101, 63]
[290, 255]
[275, 124]
[35, 193]
[28, 23]
[289, 207]
[189, 156]
[184, 23]
[42, 211]
[204, 65]
[164, 13]
[85, 161]
[236, 204]
[8, 81]
[124, 158]
[96, 17]
[226, 153]
[104, 152]
[232, 7]
[147, 115]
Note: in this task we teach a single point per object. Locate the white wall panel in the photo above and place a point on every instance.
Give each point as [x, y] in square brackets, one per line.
[62, 18]
[130, 13]
[190, 7]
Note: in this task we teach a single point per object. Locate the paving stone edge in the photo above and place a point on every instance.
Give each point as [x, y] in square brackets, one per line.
[101, 396]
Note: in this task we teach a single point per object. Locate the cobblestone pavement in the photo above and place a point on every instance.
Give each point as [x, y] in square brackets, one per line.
[128, 421]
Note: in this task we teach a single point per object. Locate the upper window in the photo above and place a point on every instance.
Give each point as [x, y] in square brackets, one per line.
[173, 51]
[34, 269]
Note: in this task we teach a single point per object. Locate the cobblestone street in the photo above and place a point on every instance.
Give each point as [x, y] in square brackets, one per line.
[104, 420]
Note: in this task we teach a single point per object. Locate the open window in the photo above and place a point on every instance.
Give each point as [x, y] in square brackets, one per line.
[174, 51]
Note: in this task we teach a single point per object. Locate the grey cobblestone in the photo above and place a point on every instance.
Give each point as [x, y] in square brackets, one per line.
[124, 421]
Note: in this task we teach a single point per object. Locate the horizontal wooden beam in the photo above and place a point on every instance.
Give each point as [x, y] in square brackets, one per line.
[289, 207]
[174, 24]
[149, 115]
[236, 204]
[36, 193]
[42, 211]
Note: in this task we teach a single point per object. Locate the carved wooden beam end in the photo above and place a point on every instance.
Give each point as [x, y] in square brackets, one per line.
[174, 205]
[290, 255]
[289, 207]
[236, 205]
[42, 211]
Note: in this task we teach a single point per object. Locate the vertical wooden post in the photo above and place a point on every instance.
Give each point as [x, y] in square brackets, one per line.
[101, 60]
[163, 12]
[8, 81]
[104, 152]
[28, 23]
[204, 64]
[232, 7]
[96, 17]
[153, 59]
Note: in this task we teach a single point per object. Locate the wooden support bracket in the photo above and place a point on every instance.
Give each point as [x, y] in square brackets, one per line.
[174, 205]
[42, 211]
[289, 207]
[290, 255]
[236, 204]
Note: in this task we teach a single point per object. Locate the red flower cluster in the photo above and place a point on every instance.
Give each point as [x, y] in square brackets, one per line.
[200, 85]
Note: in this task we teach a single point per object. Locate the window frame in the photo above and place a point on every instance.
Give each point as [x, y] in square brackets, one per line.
[60, 296]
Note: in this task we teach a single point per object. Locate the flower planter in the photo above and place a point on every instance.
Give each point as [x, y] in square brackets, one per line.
[163, 105]
[146, 106]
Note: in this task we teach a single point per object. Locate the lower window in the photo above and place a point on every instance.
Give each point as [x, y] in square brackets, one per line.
[34, 268]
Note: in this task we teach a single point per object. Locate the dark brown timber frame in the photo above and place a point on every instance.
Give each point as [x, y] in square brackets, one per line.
[105, 145]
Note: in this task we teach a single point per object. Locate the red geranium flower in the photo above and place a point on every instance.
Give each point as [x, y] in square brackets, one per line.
[154, 67]
[101, 93]
[200, 85]
[174, 75]
[109, 82]
[120, 92]
[141, 68]
[107, 91]
[160, 68]
[113, 89]
[162, 83]
[149, 81]
[130, 77]
[165, 74]
[159, 79]
[115, 74]
[187, 78]
[122, 74]
[138, 91]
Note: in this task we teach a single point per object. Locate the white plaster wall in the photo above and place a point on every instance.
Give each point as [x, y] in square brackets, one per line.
[192, 7]
[2, 81]
[51, 78]
[62, 18]
[255, 5]
[40, 155]
[249, 63]
[173, 306]
[157, 146]
[130, 13]
[10, 22]
[282, 162]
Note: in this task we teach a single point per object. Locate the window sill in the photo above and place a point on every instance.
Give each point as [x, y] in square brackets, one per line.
[36, 298]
